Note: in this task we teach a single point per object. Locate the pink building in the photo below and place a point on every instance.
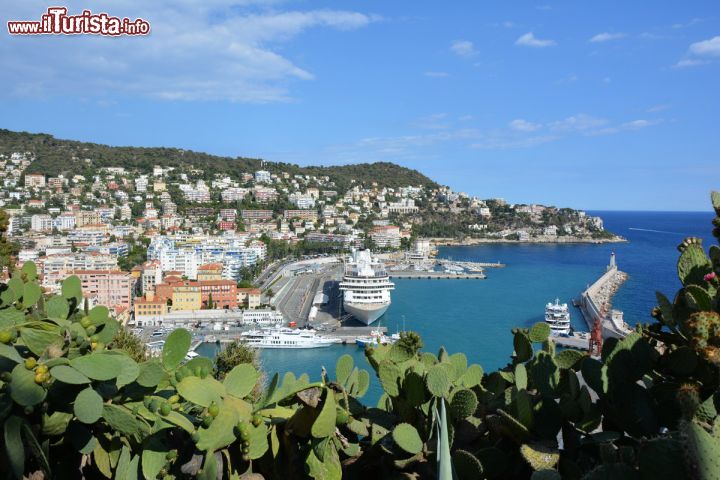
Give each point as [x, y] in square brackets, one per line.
[111, 288]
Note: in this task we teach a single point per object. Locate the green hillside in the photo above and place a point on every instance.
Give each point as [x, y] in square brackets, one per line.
[54, 156]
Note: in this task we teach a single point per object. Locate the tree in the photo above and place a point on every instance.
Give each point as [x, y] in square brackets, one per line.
[131, 344]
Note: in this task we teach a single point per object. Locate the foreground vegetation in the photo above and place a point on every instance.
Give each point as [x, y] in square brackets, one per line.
[647, 409]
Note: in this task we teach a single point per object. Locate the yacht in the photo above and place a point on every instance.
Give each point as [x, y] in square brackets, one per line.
[366, 287]
[558, 317]
[376, 338]
[285, 338]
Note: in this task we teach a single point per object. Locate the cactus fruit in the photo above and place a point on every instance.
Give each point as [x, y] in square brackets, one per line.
[704, 335]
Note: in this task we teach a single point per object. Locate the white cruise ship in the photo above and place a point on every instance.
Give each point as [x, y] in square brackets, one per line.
[366, 287]
[285, 338]
[558, 317]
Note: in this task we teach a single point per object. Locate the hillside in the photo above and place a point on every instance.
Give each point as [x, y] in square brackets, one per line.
[54, 156]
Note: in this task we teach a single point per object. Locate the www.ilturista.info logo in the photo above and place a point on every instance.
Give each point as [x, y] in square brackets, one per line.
[57, 22]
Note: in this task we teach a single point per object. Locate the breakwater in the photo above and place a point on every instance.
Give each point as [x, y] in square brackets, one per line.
[596, 303]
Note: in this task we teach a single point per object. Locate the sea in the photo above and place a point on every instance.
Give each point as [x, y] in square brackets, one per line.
[476, 316]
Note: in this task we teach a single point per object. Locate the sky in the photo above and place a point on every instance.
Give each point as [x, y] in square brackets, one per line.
[602, 105]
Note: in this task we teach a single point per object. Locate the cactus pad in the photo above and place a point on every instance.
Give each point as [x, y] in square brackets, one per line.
[437, 381]
[539, 456]
[467, 466]
[407, 438]
[539, 332]
[463, 403]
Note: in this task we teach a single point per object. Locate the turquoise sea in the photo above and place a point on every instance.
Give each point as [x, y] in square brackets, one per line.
[475, 316]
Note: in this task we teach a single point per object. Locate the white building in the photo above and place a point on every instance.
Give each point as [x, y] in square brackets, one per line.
[263, 176]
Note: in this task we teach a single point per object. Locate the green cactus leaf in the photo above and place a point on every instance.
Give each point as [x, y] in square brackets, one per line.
[17, 286]
[363, 382]
[108, 331]
[444, 462]
[9, 352]
[523, 347]
[176, 348]
[521, 378]
[569, 358]
[540, 456]
[504, 425]
[328, 468]
[407, 438]
[692, 265]
[698, 298]
[523, 408]
[399, 354]
[258, 442]
[438, 381]
[201, 363]
[201, 391]
[57, 308]
[98, 314]
[241, 380]
[546, 474]
[10, 317]
[101, 460]
[702, 450]
[662, 458]
[39, 340]
[97, 366]
[122, 420]
[715, 199]
[545, 374]
[683, 361]
[593, 374]
[413, 389]
[343, 367]
[154, 451]
[324, 424]
[459, 363]
[220, 433]
[56, 423]
[88, 406]
[428, 359]
[30, 271]
[389, 374]
[612, 471]
[467, 466]
[463, 403]
[123, 464]
[473, 376]
[539, 332]
[150, 373]
[14, 445]
[31, 294]
[129, 368]
[210, 467]
[68, 374]
[23, 389]
[666, 309]
[72, 288]
[442, 355]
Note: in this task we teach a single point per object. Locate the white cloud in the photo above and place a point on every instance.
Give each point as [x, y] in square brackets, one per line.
[529, 40]
[627, 126]
[436, 74]
[706, 48]
[524, 126]
[606, 37]
[690, 62]
[658, 108]
[687, 24]
[464, 48]
[579, 122]
[198, 50]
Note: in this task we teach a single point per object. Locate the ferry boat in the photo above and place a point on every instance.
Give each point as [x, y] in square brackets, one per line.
[558, 317]
[366, 287]
[285, 338]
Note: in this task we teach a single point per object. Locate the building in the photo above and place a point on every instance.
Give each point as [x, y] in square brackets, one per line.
[218, 294]
[387, 236]
[256, 215]
[311, 215]
[249, 297]
[111, 288]
[67, 262]
[150, 306]
[210, 271]
[263, 176]
[34, 180]
[302, 201]
[233, 194]
[265, 195]
[404, 206]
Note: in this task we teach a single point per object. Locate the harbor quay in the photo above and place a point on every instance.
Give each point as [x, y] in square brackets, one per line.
[596, 303]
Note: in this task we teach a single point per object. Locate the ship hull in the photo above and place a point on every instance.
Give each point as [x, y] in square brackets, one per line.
[366, 313]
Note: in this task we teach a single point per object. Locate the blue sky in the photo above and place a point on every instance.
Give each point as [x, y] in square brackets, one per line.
[597, 105]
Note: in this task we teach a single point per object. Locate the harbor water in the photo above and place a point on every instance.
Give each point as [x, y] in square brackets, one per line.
[475, 317]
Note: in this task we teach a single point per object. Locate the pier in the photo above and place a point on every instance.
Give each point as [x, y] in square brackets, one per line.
[420, 274]
[577, 340]
[595, 303]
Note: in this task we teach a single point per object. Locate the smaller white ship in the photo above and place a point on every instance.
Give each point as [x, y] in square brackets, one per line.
[376, 338]
[285, 338]
[557, 316]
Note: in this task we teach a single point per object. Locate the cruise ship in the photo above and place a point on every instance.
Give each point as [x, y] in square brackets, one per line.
[285, 338]
[558, 317]
[366, 287]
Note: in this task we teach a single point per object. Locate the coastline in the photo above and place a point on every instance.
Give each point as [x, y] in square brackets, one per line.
[454, 242]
